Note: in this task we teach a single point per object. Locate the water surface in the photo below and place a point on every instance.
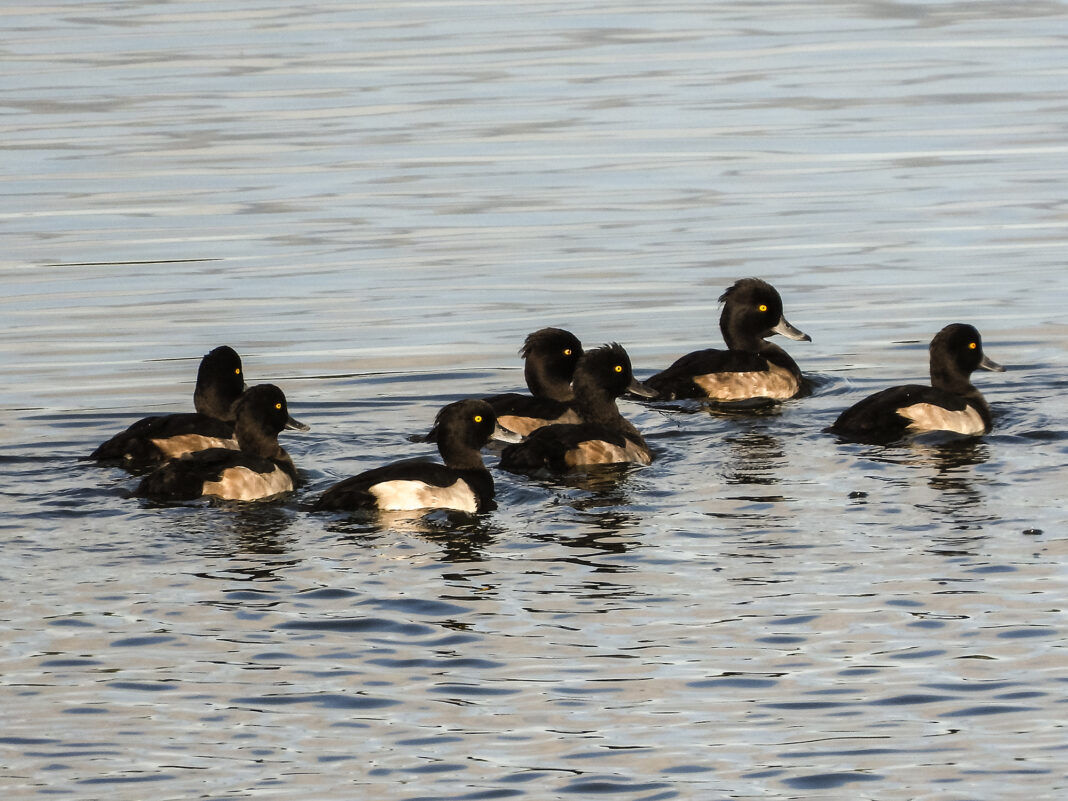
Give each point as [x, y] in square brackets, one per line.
[374, 205]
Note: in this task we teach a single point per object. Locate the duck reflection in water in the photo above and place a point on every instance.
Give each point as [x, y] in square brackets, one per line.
[755, 458]
[256, 544]
[258, 529]
[604, 483]
[261, 529]
[461, 537]
[948, 465]
[601, 499]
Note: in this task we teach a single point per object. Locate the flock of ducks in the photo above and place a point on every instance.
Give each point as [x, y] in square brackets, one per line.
[229, 447]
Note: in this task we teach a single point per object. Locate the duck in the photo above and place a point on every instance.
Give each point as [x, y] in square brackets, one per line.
[259, 469]
[950, 404]
[550, 356]
[604, 437]
[153, 440]
[463, 484]
[750, 367]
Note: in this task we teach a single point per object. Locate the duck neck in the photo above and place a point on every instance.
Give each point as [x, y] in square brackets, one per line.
[543, 383]
[460, 455]
[252, 439]
[751, 343]
[594, 405]
[950, 379]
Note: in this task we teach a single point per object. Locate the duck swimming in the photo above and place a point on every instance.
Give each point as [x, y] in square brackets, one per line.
[462, 483]
[259, 469]
[951, 403]
[604, 436]
[550, 356]
[153, 440]
[750, 367]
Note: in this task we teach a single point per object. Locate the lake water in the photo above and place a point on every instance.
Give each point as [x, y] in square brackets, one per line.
[374, 203]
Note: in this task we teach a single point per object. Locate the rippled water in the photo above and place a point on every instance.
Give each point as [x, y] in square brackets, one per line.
[374, 204]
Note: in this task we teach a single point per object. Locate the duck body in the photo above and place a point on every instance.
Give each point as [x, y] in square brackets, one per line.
[750, 367]
[221, 473]
[604, 436]
[726, 376]
[260, 469]
[951, 403]
[412, 485]
[550, 356]
[153, 440]
[461, 484]
[566, 447]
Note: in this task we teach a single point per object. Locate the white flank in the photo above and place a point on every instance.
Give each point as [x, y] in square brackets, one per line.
[775, 382]
[175, 447]
[243, 484]
[524, 425]
[595, 451]
[929, 417]
[401, 495]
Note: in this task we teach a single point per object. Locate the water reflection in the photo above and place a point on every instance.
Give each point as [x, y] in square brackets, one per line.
[958, 496]
[755, 458]
[226, 528]
[461, 537]
[593, 542]
[752, 407]
[249, 541]
[749, 408]
[260, 529]
[604, 483]
[605, 488]
[605, 516]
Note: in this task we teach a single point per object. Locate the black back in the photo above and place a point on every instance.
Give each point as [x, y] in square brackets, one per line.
[135, 449]
[532, 406]
[876, 420]
[548, 447]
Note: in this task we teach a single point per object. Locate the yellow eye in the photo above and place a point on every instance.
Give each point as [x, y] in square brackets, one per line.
[478, 418]
[619, 368]
[237, 371]
[567, 351]
[762, 307]
[972, 346]
[278, 406]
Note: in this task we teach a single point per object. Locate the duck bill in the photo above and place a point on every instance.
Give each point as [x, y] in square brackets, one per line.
[783, 327]
[502, 434]
[641, 390]
[991, 365]
[295, 425]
